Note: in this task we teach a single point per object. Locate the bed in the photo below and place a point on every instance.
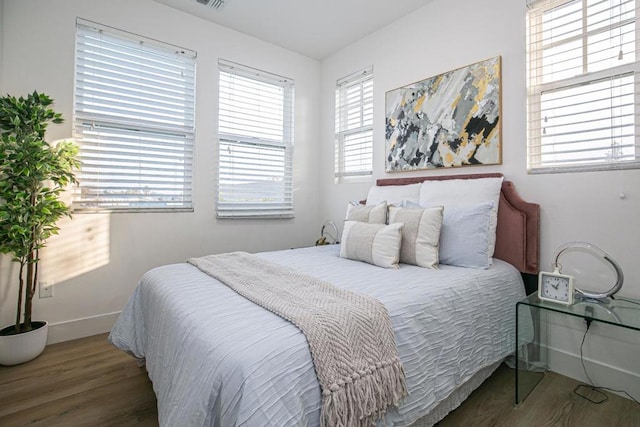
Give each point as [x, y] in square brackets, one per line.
[217, 359]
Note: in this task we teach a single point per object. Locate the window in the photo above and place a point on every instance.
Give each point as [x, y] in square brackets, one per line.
[255, 134]
[133, 121]
[582, 71]
[354, 126]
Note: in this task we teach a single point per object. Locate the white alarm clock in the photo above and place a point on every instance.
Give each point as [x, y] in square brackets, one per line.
[555, 287]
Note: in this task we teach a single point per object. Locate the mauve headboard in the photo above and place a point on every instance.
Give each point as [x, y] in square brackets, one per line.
[518, 232]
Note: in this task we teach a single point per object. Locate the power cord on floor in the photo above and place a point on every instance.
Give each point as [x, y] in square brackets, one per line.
[591, 385]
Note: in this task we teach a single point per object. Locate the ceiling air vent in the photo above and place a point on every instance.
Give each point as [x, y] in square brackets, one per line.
[216, 4]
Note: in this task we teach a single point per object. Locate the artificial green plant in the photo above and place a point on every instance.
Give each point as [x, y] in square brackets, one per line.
[33, 174]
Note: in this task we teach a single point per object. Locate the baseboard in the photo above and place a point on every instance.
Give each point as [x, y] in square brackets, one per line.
[602, 374]
[80, 328]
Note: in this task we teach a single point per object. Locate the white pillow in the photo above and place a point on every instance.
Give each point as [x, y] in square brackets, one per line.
[372, 214]
[375, 244]
[464, 237]
[463, 193]
[393, 194]
[420, 234]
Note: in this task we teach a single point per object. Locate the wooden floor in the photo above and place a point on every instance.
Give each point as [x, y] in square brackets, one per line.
[89, 383]
[551, 403]
[85, 382]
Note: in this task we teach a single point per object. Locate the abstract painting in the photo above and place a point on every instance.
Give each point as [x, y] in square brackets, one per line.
[449, 120]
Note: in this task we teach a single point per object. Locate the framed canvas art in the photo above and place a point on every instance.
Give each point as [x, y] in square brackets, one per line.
[449, 120]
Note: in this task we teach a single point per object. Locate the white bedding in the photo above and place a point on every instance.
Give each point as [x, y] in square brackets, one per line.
[216, 359]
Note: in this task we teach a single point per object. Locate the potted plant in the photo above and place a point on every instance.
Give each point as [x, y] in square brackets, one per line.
[33, 174]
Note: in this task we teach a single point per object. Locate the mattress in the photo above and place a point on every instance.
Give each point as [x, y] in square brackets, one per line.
[216, 359]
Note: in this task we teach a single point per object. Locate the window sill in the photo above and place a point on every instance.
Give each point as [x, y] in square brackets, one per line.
[255, 216]
[584, 168]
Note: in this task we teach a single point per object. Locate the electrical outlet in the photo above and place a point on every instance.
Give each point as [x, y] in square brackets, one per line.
[45, 289]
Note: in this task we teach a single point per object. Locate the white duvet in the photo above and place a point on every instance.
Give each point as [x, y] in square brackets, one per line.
[216, 359]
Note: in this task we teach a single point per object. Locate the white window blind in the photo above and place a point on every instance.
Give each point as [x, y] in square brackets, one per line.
[354, 126]
[582, 85]
[133, 121]
[255, 131]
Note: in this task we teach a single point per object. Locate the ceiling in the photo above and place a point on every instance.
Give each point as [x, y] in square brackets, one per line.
[313, 28]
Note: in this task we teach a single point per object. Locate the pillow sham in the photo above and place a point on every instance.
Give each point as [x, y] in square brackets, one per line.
[464, 237]
[393, 194]
[420, 234]
[372, 214]
[376, 244]
[455, 193]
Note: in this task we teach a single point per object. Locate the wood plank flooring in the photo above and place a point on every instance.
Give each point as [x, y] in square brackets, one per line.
[87, 382]
[551, 403]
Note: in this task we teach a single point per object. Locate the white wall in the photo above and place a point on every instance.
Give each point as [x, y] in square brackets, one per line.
[448, 34]
[98, 259]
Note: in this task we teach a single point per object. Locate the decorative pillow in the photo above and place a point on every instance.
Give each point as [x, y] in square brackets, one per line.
[420, 234]
[372, 214]
[393, 194]
[465, 192]
[375, 244]
[464, 237]
[410, 204]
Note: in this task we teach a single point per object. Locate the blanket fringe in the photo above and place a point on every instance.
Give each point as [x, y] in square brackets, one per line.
[359, 400]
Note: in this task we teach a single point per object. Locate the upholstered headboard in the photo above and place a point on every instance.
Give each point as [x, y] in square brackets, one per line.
[518, 232]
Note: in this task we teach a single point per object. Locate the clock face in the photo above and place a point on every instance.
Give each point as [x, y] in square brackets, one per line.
[556, 287]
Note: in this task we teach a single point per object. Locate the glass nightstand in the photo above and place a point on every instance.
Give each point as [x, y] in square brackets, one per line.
[531, 334]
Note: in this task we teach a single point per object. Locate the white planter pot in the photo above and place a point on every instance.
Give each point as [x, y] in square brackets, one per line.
[23, 347]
